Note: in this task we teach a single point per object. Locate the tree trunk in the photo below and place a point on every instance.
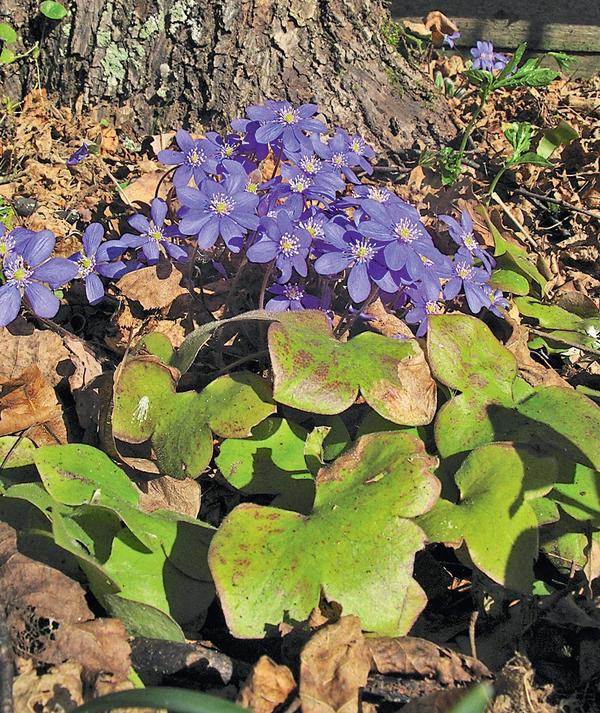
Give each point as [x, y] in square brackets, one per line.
[200, 62]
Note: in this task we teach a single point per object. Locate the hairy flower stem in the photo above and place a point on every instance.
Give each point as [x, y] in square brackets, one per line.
[263, 287]
[341, 329]
[277, 162]
[471, 125]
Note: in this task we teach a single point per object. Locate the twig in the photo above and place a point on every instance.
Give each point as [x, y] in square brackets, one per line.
[6, 666]
[520, 227]
[472, 624]
[561, 340]
[557, 201]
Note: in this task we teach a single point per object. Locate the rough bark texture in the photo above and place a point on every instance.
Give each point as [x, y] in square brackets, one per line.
[199, 62]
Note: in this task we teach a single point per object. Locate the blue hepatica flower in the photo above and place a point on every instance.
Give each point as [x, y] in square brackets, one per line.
[495, 300]
[399, 226]
[450, 40]
[197, 159]
[363, 152]
[98, 258]
[225, 209]
[78, 156]
[280, 120]
[291, 297]
[229, 147]
[484, 57]
[463, 236]
[425, 302]
[338, 154]
[344, 247]
[302, 187]
[154, 234]
[12, 240]
[285, 242]
[30, 273]
[472, 279]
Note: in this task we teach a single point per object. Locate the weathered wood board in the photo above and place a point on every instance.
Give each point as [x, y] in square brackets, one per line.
[563, 25]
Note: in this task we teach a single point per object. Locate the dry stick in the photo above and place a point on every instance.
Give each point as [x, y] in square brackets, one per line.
[556, 201]
[6, 666]
[472, 624]
[561, 340]
[520, 227]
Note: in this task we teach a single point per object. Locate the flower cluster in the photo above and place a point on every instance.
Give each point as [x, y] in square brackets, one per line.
[314, 218]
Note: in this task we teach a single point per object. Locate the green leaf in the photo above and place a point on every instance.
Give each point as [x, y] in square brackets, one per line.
[512, 63]
[53, 10]
[7, 56]
[7, 33]
[515, 258]
[554, 138]
[16, 460]
[519, 134]
[157, 344]
[532, 158]
[177, 700]
[357, 546]
[579, 494]
[475, 700]
[489, 368]
[315, 372]
[147, 407]
[271, 462]
[549, 316]
[530, 74]
[494, 517]
[479, 77]
[564, 61]
[509, 281]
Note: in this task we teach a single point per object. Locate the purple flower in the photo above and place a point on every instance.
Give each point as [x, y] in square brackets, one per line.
[472, 279]
[154, 234]
[97, 258]
[344, 247]
[229, 147]
[485, 58]
[363, 152]
[12, 240]
[338, 154]
[463, 236]
[399, 226]
[250, 146]
[291, 297]
[28, 273]
[302, 187]
[495, 299]
[450, 40]
[78, 156]
[197, 159]
[279, 120]
[284, 242]
[225, 209]
[425, 302]
[427, 265]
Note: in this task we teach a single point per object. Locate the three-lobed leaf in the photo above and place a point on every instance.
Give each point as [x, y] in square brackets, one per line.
[357, 546]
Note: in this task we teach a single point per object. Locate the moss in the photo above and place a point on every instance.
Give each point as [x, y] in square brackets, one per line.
[154, 24]
[103, 38]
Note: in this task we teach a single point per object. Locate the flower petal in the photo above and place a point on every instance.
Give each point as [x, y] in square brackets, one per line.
[140, 223]
[41, 300]
[56, 272]
[92, 237]
[158, 211]
[38, 248]
[10, 302]
[94, 289]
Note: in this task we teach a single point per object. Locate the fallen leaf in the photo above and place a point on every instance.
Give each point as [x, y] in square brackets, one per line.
[166, 493]
[60, 689]
[143, 189]
[43, 348]
[48, 617]
[85, 369]
[153, 287]
[532, 371]
[411, 656]
[439, 25]
[268, 686]
[28, 403]
[334, 666]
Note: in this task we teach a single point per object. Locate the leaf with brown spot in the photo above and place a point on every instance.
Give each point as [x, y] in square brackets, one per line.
[334, 666]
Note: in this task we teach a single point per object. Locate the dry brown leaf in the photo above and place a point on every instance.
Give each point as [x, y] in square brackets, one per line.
[153, 287]
[166, 493]
[439, 25]
[268, 686]
[48, 617]
[29, 403]
[45, 349]
[334, 666]
[532, 371]
[516, 691]
[60, 689]
[411, 656]
[143, 189]
[84, 370]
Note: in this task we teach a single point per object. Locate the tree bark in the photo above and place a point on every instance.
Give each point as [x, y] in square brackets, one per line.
[198, 63]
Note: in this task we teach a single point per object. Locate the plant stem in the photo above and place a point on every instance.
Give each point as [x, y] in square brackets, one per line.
[494, 183]
[108, 173]
[471, 125]
[263, 287]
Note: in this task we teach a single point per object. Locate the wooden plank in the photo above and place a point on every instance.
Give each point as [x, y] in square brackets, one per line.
[565, 25]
